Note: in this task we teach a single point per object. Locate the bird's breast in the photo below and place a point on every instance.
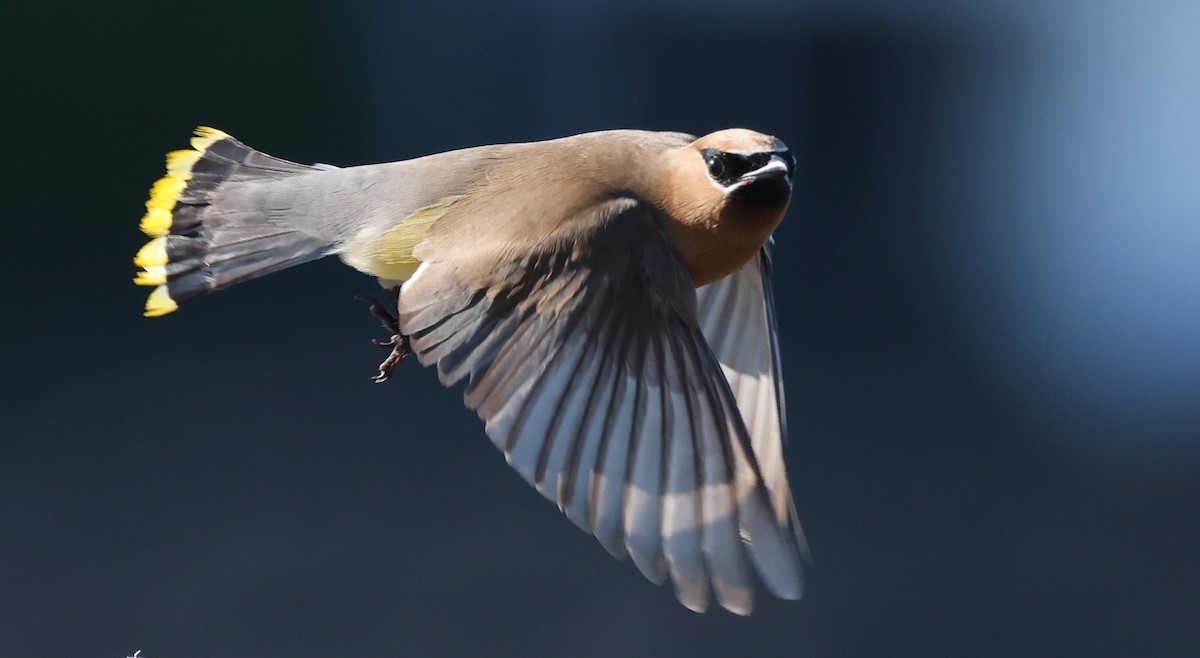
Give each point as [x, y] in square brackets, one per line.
[717, 248]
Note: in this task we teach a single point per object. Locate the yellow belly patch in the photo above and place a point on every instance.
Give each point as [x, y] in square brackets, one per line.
[389, 255]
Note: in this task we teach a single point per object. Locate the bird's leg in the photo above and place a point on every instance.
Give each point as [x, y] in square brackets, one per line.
[398, 342]
[400, 349]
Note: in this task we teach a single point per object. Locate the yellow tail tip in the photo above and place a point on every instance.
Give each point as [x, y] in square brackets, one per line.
[159, 303]
[166, 190]
[154, 275]
[152, 253]
[182, 160]
[156, 223]
[206, 137]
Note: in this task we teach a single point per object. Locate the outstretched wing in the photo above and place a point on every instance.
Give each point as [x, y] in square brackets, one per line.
[586, 362]
[737, 316]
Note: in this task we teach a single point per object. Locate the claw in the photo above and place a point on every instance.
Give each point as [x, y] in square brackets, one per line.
[398, 342]
[400, 349]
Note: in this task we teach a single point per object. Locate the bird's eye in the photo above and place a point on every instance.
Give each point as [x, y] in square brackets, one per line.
[726, 168]
[716, 166]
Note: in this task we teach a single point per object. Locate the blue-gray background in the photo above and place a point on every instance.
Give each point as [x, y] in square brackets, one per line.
[990, 306]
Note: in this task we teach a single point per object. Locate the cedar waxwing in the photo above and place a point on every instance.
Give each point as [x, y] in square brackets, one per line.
[606, 296]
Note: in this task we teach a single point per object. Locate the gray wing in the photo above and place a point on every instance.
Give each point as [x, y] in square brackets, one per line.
[586, 362]
[737, 316]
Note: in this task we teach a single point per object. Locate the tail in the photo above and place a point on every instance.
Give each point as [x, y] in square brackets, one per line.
[213, 224]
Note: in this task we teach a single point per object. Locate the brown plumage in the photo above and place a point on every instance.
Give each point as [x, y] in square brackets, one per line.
[559, 280]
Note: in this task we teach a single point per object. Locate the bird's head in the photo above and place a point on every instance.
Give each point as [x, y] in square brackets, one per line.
[727, 192]
[750, 169]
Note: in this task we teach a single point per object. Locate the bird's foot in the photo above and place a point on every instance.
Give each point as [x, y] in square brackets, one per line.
[400, 349]
[398, 342]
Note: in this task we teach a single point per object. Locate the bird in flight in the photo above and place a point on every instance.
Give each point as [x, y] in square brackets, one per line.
[606, 297]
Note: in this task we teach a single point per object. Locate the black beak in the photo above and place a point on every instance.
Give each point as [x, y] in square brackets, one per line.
[768, 184]
[780, 164]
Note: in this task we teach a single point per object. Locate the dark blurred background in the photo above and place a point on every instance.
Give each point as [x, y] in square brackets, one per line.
[990, 306]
